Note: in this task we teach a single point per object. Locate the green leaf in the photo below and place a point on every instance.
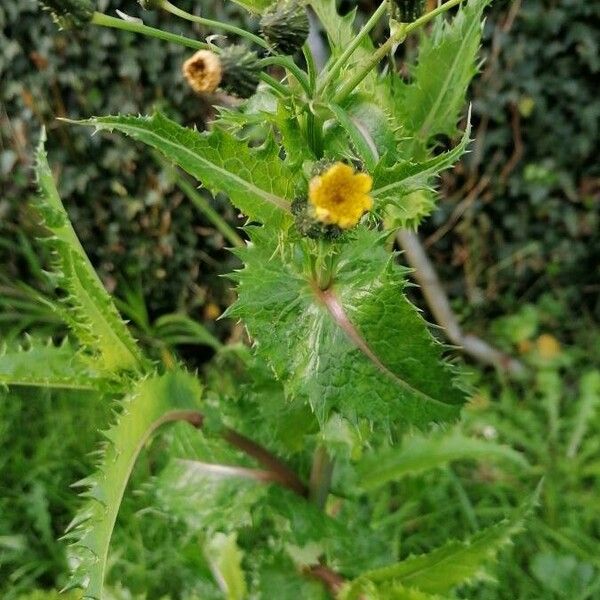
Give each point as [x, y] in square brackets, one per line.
[341, 33]
[393, 185]
[340, 30]
[440, 570]
[151, 403]
[422, 453]
[361, 138]
[447, 61]
[359, 347]
[89, 308]
[225, 559]
[255, 179]
[367, 590]
[47, 365]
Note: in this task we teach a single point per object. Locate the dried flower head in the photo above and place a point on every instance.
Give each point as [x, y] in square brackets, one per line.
[203, 71]
[340, 196]
[69, 13]
[285, 25]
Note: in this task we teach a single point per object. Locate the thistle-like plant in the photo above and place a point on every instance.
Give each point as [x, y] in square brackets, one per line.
[289, 444]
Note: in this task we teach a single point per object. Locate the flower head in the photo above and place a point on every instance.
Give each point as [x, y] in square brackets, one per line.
[203, 71]
[285, 25]
[339, 196]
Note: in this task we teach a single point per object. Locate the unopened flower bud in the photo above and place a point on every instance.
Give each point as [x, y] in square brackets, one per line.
[70, 13]
[406, 11]
[285, 26]
[241, 71]
[203, 71]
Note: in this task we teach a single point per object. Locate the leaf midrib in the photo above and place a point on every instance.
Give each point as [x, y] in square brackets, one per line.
[273, 199]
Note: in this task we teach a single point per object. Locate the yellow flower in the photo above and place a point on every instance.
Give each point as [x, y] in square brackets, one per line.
[340, 196]
[548, 346]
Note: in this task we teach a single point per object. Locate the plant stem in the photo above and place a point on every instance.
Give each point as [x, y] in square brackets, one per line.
[206, 209]
[423, 20]
[320, 477]
[286, 476]
[290, 66]
[396, 38]
[114, 23]
[343, 59]
[108, 21]
[178, 12]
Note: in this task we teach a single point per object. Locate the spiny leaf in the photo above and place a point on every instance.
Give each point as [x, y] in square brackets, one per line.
[439, 571]
[151, 403]
[256, 180]
[430, 105]
[393, 184]
[420, 453]
[47, 365]
[341, 33]
[367, 590]
[358, 347]
[90, 310]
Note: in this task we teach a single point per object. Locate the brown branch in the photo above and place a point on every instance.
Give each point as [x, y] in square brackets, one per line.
[438, 303]
[285, 475]
[332, 580]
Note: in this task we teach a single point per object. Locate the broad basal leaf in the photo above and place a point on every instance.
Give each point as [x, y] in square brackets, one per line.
[255, 179]
[151, 403]
[420, 453]
[89, 309]
[430, 105]
[357, 347]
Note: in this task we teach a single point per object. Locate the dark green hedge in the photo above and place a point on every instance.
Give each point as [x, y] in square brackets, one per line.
[131, 219]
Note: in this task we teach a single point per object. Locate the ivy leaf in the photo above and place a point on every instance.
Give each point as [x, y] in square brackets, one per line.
[89, 308]
[422, 453]
[255, 179]
[358, 347]
[47, 365]
[150, 403]
[457, 562]
[447, 61]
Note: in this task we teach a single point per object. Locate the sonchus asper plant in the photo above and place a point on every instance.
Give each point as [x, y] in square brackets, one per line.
[288, 448]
